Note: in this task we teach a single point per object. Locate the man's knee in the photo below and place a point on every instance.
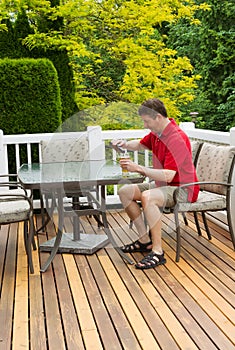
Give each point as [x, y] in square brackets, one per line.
[145, 197]
[126, 191]
[150, 198]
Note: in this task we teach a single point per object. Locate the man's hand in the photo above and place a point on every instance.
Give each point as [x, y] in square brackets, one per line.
[131, 145]
[119, 145]
[129, 165]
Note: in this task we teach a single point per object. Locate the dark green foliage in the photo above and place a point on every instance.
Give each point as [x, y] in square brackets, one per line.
[65, 76]
[7, 42]
[21, 30]
[211, 49]
[11, 40]
[60, 60]
[29, 96]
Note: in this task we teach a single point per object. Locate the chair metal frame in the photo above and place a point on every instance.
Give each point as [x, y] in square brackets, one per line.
[18, 193]
[176, 209]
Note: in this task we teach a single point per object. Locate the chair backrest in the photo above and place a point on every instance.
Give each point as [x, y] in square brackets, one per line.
[215, 164]
[195, 147]
[65, 150]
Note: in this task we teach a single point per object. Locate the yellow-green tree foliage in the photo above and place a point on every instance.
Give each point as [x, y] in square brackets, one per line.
[116, 49]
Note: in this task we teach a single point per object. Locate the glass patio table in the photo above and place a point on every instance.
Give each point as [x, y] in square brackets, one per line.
[74, 179]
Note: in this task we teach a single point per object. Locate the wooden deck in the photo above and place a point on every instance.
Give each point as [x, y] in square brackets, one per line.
[99, 302]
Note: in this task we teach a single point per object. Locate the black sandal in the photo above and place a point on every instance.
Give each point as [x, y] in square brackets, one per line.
[137, 246]
[150, 261]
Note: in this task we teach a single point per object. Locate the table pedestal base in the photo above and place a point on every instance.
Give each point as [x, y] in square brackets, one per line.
[87, 244]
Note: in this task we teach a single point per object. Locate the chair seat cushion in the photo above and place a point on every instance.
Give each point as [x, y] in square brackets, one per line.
[206, 201]
[14, 211]
[16, 191]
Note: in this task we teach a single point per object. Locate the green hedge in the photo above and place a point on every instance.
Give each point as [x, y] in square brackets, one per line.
[29, 96]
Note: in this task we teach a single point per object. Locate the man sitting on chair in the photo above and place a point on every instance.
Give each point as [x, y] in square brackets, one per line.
[172, 166]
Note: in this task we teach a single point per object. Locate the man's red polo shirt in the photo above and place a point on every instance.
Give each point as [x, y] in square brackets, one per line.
[172, 150]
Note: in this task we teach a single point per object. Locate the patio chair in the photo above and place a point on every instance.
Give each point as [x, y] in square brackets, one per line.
[215, 166]
[62, 151]
[196, 146]
[16, 206]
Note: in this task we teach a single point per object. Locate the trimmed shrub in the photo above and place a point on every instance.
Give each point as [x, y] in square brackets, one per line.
[29, 96]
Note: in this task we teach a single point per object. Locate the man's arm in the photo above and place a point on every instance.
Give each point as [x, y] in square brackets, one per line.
[132, 145]
[165, 175]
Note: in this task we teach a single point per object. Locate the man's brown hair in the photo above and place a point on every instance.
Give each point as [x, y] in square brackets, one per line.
[152, 107]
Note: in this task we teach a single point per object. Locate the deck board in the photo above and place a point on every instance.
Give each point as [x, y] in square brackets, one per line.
[100, 302]
[8, 285]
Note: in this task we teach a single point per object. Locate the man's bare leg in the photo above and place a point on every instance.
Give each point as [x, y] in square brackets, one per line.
[152, 200]
[129, 194]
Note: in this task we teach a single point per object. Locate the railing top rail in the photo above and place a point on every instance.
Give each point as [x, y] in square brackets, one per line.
[192, 132]
[36, 138]
[210, 135]
[124, 134]
[205, 134]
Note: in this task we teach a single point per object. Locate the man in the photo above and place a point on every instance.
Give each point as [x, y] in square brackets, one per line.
[172, 166]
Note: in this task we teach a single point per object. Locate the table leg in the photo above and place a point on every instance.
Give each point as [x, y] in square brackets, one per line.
[107, 229]
[75, 243]
[76, 221]
[49, 212]
[59, 233]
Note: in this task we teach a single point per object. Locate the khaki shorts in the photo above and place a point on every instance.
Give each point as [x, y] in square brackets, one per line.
[167, 191]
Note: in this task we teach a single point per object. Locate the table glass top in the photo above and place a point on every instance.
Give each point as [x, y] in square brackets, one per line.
[84, 172]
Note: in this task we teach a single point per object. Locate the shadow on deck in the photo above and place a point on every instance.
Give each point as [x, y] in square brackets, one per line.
[99, 302]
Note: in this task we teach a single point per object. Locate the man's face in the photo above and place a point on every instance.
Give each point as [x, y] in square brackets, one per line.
[152, 124]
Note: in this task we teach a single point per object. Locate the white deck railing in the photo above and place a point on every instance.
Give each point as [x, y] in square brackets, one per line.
[96, 146]
[96, 136]
[97, 139]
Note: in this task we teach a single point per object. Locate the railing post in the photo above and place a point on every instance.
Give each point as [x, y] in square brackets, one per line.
[232, 136]
[96, 144]
[187, 126]
[232, 143]
[3, 157]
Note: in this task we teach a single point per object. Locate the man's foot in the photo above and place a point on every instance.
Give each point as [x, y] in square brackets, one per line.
[137, 246]
[150, 261]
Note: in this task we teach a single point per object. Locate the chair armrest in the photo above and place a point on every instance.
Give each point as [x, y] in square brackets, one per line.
[10, 175]
[8, 197]
[7, 175]
[177, 195]
[13, 184]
